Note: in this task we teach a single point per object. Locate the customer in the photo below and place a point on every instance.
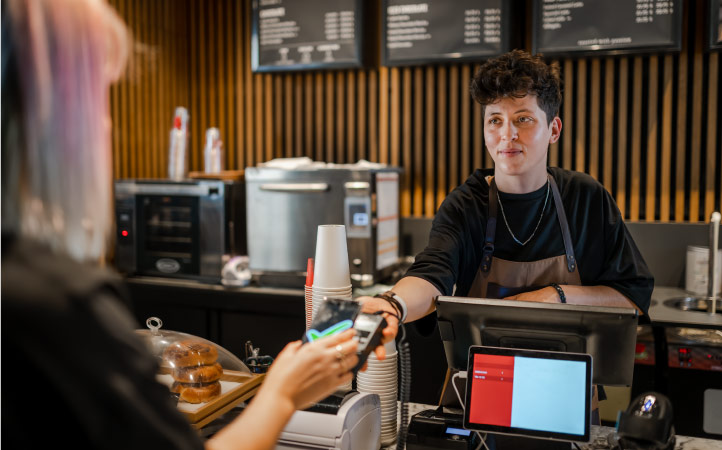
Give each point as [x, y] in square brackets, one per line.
[74, 372]
[522, 230]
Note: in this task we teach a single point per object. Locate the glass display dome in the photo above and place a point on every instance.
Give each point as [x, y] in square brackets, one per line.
[192, 367]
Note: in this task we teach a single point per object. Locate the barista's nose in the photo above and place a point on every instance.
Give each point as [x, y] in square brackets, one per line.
[509, 132]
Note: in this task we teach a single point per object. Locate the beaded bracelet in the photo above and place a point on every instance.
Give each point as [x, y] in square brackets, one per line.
[562, 297]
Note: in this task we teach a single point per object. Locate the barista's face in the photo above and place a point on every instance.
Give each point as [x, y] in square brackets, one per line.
[517, 137]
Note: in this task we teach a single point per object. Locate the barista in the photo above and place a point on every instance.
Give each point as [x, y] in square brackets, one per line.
[523, 230]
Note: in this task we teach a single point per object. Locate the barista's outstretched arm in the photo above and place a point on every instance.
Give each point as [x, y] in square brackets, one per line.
[419, 296]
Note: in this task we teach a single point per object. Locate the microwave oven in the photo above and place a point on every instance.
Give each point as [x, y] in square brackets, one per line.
[286, 206]
[179, 229]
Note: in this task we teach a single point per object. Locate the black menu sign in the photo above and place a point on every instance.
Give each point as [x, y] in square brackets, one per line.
[591, 26]
[306, 34]
[423, 31]
[715, 24]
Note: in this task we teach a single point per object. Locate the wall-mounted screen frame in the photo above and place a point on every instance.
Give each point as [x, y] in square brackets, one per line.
[296, 35]
[606, 27]
[715, 25]
[417, 32]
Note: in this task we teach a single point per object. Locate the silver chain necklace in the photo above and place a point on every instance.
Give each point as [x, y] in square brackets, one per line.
[546, 198]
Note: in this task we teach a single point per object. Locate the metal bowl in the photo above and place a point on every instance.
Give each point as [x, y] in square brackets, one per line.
[699, 304]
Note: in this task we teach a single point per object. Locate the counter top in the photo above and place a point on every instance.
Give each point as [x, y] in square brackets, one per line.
[200, 285]
[599, 436]
[661, 313]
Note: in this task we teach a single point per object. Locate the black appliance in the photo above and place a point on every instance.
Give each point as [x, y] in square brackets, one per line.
[178, 228]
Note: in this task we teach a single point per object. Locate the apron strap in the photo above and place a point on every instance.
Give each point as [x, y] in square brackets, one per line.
[488, 249]
[566, 235]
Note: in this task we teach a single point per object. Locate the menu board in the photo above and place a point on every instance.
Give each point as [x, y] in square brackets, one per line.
[609, 26]
[715, 24]
[306, 34]
[424, 31]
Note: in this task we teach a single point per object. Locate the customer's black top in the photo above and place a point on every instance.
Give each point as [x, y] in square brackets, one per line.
[74, 373]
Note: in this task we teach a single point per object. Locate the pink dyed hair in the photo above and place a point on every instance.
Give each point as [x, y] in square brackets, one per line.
[59, 59]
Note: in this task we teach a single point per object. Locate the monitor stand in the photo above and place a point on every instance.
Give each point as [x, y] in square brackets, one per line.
[509, 442]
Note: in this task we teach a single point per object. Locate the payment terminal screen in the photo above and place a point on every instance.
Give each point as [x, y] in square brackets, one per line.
[333, 316]
[528, 393]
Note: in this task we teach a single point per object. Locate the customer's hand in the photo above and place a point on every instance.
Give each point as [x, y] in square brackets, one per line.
[305, 374]
[373, 304]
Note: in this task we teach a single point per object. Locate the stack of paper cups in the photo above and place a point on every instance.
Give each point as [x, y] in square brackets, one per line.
[308, 292]
[331, 272]
[308, 295]
[380, 378]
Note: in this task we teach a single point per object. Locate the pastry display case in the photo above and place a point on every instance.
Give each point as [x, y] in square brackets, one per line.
[206, 379]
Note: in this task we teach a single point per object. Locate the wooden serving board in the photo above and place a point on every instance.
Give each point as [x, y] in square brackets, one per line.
[226, 175]
[236, 387]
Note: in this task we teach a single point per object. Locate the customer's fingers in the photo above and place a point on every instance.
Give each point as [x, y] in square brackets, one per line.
[330, 341]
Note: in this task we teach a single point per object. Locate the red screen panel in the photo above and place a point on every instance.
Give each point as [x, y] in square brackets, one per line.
[491, 390]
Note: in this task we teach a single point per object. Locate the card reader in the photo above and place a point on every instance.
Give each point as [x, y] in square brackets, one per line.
[369, 329]
[433, 429]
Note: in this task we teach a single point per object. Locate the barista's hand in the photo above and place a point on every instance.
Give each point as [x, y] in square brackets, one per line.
[543, 295]
[372, 305]
[305, 374]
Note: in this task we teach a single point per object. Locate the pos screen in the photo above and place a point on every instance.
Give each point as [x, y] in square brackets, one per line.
[531, 393]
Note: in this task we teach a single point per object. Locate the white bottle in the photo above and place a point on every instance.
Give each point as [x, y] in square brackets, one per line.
[178, 152]
[213, 152]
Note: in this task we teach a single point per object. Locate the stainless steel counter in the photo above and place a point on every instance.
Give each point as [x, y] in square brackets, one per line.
[663, 314]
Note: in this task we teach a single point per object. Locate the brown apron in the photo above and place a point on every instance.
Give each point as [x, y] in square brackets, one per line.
[499, 278]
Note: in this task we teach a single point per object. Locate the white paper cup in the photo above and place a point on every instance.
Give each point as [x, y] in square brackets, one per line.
[387, 396]
[387, 391]
[386, 364]
[378, 373]
[371, 382]
[331, 268]
[368, 373]
[366, 383]
[336, 290]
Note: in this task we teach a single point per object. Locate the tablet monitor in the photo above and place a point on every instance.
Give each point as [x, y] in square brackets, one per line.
[532, 393]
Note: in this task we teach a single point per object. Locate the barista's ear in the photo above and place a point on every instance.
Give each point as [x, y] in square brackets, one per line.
[556, 126]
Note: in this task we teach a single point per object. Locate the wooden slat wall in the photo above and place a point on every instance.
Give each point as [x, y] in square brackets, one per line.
[646, 126]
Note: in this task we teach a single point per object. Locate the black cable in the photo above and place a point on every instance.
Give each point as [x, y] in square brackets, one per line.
[405, 358]
[405, 389]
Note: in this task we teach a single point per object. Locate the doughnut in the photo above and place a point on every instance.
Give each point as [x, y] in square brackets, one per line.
[198, 374]
[176, 387]
[199, 393]
[190, 353]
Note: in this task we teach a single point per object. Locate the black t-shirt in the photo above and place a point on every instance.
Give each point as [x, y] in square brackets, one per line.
[604, 249]
[74, 372]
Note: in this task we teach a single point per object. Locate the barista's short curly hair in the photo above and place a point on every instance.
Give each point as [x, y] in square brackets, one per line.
[517, 74]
